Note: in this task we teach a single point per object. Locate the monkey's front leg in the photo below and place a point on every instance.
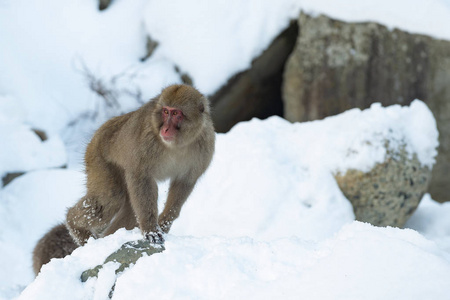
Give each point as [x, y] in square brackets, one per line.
[178, 193]
[143, 192]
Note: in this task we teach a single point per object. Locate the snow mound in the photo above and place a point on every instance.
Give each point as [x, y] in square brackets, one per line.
[266, 219]
[22, 150]
[431, 219]
[270, 183]
[272, 179]
[357, 139]
[30, 205]
[359, 262]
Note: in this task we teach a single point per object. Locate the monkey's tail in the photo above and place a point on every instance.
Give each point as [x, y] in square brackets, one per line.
[57, 243]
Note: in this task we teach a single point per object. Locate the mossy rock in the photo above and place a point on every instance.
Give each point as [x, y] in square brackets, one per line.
[128, 254]
[389, 193]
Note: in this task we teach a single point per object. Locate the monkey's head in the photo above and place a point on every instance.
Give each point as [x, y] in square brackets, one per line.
[181, 113]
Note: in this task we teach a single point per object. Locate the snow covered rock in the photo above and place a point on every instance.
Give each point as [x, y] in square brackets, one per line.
[388, 194]
[126, 255]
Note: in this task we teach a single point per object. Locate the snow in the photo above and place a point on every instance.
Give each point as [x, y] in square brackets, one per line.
[228, 34]
[22, 149]
[30, 205]
[434, 15]
[211, 41]
[46, 44]
[431, 220]
[267, 220]
[224, 38]
[246, 230]
[359, 262]
[307, 154]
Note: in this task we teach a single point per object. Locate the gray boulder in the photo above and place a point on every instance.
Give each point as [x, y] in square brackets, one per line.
[336, 66]
[389, 193]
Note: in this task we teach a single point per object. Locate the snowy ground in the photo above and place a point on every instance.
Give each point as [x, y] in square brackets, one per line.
[267, 221]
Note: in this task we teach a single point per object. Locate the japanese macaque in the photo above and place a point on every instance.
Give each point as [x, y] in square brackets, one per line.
[170, 137]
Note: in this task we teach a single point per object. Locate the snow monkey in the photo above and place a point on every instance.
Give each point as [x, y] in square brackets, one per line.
[170, 137]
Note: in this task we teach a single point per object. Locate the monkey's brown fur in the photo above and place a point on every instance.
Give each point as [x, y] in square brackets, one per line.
[127, 156]
[57, 243]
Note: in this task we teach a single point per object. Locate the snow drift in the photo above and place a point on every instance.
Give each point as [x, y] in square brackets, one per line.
[268, 220]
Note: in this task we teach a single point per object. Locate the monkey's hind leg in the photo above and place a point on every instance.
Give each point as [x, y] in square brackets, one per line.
[57, 243]
[124, 218]
[83, 220]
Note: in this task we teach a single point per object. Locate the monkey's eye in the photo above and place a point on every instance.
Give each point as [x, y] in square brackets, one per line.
[165, 111]
[175, 113]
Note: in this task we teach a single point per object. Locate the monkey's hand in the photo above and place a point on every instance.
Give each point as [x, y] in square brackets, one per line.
[155, 237]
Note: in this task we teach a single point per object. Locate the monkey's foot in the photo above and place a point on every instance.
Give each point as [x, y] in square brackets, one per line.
[165, 225]
[155, 237]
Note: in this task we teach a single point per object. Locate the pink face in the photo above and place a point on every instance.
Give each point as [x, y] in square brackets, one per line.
[172, 118]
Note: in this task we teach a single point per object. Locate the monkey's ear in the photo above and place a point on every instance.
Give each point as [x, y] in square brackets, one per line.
[202, 107]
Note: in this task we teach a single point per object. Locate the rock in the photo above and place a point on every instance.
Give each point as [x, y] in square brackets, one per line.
[41, 134]
[390, 192]
[10, 177]
[151, 45]
[336, 66]
[103, 4]
[255, 92]
[128, 254]
[185, 78]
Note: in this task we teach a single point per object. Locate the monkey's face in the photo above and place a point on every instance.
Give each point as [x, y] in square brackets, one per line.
[180, 114]
[172, 121]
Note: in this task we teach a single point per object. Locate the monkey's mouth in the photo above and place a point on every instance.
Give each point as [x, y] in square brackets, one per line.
[167, 138]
